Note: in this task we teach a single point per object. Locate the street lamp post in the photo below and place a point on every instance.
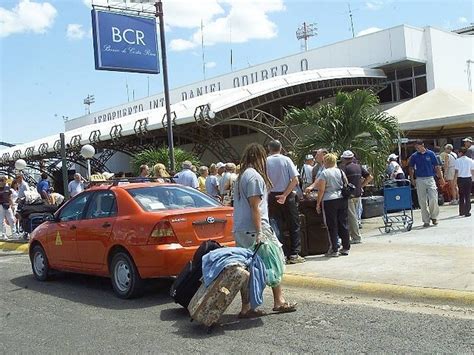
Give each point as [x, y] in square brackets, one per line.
[20, 165]
[159, 14]
[88, 153]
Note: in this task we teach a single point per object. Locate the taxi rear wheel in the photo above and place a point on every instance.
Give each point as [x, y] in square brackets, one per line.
[39, 263]
[126, 280]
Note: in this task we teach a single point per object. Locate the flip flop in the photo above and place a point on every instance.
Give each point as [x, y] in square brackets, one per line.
[253, 313]
[287, 307]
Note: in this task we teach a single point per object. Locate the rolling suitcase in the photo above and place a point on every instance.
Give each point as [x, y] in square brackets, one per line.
[189, 279]
[372, 206]
[208, 304]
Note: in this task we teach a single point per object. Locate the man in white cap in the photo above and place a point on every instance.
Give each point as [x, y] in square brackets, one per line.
[359, 177]
[470, 148]
[220, 171]
[306, 172]
[186, 176]
[394, 170]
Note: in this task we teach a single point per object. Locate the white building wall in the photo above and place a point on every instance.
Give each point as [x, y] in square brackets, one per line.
[449, 55]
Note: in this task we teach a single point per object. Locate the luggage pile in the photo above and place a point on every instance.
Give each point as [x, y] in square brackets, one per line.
[207, 304]
[33, 214]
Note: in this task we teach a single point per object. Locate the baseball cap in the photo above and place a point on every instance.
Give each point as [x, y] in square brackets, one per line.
[347, 154]
[308, 157]
[467, 139]
[220, 165]
[392, 156]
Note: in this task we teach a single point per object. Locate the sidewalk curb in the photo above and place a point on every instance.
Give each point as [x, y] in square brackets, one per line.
[12, 246]
[410, 293]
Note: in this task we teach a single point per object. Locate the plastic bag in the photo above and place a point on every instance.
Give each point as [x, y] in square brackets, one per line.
[273, 258]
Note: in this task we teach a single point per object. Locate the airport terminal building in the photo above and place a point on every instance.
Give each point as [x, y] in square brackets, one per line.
[400, 63]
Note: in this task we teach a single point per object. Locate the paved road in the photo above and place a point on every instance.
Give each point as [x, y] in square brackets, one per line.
[75, 313]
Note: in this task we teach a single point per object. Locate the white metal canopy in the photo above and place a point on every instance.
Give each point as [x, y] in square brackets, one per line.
[184, 110]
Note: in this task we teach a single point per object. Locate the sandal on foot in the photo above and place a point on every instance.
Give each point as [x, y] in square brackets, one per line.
[286, 308]
[253, 313]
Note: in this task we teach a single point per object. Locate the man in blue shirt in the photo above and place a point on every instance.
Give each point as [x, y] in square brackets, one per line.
[43, 187]
[424, 163]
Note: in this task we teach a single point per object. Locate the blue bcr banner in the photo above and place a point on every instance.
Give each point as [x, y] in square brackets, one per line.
[125, 42]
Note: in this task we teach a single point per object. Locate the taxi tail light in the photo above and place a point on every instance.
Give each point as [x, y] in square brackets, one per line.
[163, 233]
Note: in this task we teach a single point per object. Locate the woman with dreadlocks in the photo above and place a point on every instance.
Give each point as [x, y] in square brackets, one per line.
[251, 222]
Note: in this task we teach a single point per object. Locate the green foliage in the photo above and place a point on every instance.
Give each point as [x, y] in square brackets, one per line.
[151, 157]
[353, 122]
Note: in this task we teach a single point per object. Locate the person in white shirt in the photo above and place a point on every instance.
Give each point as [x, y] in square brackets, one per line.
[306, 172]
[463, 171]
[394, 170]
[186, 176]
[76, 186]
[22, 186]
[448, 166]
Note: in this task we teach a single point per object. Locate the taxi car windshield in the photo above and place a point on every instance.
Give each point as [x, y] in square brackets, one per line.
[159, 198]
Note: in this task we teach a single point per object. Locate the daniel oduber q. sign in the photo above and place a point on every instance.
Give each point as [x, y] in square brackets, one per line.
[125, 42]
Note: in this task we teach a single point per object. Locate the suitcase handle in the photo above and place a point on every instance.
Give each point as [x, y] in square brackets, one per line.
[256, 249]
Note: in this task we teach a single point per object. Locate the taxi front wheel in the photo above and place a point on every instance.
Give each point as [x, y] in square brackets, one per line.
[39, 263]
[126, 281]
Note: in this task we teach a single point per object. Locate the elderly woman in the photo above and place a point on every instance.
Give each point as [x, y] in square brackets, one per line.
[203, 174]
[334, 206]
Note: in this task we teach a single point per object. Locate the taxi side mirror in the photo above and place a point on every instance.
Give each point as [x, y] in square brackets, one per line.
[49, 218]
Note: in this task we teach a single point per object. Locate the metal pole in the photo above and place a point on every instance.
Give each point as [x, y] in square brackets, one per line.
[399, 148]
[159, 14]
[88, 169]
[64, 165]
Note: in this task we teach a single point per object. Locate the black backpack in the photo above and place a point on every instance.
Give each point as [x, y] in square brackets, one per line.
[189, 280]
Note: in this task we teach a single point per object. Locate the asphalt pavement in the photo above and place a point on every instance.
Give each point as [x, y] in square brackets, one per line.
[80, 314]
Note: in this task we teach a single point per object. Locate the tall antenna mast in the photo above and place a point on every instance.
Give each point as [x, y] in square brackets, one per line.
[305, 31]
[352, 22]
[230, 42]
[202, 48]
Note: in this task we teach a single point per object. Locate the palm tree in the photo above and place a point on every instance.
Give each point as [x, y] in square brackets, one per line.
[151, 157]
[353, 122]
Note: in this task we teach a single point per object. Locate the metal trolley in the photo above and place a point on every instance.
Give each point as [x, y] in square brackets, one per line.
[397, 203]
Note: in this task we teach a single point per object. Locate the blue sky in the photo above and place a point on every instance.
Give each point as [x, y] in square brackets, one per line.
[47, 60]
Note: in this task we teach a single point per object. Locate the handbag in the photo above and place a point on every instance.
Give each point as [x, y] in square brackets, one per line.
[348, 189]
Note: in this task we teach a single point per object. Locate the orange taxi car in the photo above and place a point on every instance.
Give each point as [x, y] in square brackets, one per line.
[129, 232]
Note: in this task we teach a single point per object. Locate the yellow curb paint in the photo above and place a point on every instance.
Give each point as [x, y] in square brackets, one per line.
[381, 290]
[23, 248]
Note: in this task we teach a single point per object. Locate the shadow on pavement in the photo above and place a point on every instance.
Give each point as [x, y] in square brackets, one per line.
[95, 291]
[195, 330]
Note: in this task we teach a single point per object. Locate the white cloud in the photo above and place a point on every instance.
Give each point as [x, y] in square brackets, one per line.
[374, 5]
[210, 65]
[368, 30]
[462, 19]
[27, 16]
[181, 45]
[75, 31]
[245, 20]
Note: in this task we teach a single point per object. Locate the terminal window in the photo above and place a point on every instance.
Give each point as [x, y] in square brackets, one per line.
[404, 83]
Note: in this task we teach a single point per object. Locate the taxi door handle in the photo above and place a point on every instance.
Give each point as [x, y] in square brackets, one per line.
[73, 227]
[106, 225]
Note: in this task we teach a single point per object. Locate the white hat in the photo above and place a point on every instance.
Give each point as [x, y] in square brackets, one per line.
[392, 156]
[347, 154]
[467, 139]
[220, 165]
[308, 157]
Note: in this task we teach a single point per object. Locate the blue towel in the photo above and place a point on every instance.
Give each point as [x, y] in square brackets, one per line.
[214, 262]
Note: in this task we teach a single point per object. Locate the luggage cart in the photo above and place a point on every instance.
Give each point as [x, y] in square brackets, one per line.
[397, 203]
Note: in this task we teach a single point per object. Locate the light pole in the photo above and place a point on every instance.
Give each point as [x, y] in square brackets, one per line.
[159, 14]
[88, 153]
